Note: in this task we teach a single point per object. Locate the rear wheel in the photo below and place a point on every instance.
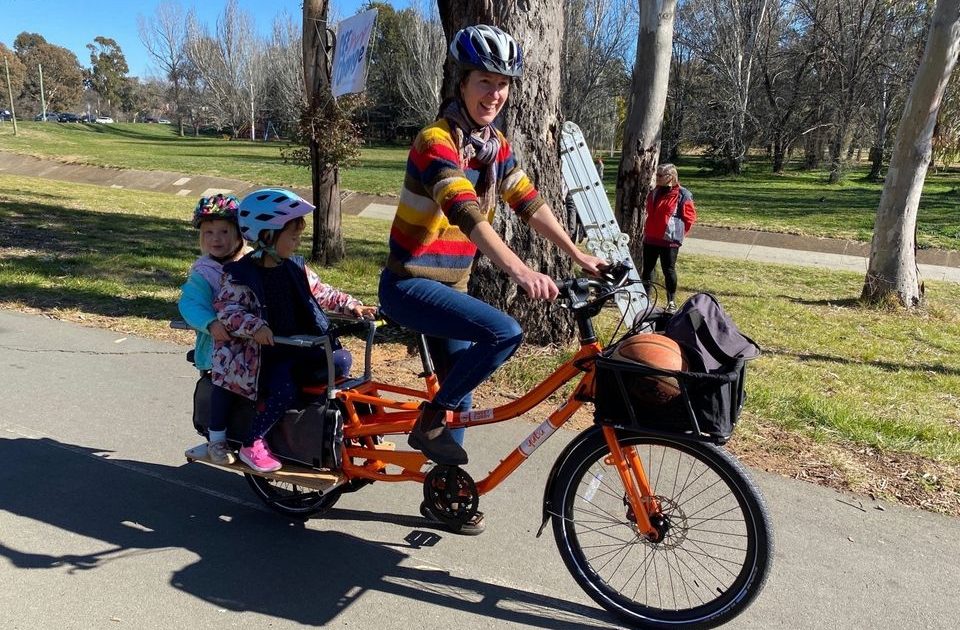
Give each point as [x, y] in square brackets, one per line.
[714, 550]
[292, 500]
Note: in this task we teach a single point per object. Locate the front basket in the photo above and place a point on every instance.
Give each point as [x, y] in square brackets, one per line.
[706, 409]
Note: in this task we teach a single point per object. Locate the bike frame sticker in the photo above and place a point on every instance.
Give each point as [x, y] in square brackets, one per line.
[476, 416]
[535, 439]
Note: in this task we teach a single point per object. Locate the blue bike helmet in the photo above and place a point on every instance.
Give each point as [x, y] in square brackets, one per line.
[269, 209]
[487, 48]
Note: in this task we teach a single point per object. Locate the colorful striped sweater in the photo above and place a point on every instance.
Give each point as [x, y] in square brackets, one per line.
[439, 207]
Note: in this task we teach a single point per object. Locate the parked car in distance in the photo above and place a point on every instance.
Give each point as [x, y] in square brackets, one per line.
[68, 118]
[149, 119]
[87, 118]
[163, 121]
[51, 117]
[5, 115]
[104, 119]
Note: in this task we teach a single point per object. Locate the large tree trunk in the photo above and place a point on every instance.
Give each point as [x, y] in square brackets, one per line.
[648, 97]
[892, 272]
[531, 122]
[327, 247]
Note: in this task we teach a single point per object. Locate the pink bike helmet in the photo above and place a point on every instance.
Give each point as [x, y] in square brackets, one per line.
[215, 207]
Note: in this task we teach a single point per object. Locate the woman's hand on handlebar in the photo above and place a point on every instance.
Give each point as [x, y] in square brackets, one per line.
[263, 336]
[537, 285]
[591, 264]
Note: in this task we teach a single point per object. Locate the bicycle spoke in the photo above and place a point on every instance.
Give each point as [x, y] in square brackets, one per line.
[705, 544]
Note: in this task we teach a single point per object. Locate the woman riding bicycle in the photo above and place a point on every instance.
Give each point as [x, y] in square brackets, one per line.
[457, 168]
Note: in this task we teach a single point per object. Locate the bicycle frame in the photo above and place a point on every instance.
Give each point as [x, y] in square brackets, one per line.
[393, 417]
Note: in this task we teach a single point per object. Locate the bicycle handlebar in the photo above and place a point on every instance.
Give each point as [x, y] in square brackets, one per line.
[351, 326]
[578, 290]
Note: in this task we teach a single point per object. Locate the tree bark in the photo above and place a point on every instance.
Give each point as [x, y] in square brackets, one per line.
[327, 247]
[648, 97]
[531, 122]
[892, 272]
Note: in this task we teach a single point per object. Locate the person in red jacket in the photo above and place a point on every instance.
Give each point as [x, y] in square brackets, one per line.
[670, 215]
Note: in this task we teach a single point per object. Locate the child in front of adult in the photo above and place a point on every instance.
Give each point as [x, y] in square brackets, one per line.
[220, 243]
[271, 292]
[670, 215]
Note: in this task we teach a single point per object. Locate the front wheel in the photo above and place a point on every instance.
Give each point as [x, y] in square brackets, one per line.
[714, 552]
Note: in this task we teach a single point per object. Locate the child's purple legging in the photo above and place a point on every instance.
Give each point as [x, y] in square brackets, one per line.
[283, 370]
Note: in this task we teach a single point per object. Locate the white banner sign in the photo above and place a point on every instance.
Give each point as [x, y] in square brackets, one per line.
[351, 53]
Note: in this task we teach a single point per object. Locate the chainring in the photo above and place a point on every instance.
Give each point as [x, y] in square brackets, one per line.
[451, 495]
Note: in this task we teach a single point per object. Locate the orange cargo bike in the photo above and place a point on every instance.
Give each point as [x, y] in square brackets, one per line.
[654, 519]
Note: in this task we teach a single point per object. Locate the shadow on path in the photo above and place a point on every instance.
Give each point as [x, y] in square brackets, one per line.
[287, 570]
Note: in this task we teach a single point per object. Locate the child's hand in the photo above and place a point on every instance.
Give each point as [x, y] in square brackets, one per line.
[218, 331]
[364, 312]
[263, 336]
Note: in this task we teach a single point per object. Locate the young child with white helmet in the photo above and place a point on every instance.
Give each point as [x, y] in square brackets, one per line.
[220, 243]
[271, 292]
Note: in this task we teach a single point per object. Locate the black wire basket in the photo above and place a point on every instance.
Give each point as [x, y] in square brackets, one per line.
[706, 409]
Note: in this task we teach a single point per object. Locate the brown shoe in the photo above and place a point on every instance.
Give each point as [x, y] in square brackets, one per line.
[474, 527]
[431, 437]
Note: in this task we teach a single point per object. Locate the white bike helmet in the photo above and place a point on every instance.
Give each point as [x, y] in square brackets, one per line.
[269, 209]
[487, 48]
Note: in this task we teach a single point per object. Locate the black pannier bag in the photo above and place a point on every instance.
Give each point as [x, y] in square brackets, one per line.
[711, 388]
[312, 436]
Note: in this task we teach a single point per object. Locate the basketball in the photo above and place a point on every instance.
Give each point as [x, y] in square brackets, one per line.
[654, 351]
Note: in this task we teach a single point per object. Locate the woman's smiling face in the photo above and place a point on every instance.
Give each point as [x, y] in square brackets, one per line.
[484, 94]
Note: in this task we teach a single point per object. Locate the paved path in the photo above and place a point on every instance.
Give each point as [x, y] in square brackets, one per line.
[725, 243]
[103, 525]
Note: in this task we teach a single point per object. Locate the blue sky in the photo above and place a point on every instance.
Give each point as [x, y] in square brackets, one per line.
[75, 23]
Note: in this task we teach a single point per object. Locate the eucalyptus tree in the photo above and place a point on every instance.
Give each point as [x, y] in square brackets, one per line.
[164, 36]
[892, 273]
[108, 70]
[724, 35]
[62, 74]
[421, 77]
[229, 62]
[597, 41]
[648, 96]
[785, 58]
[850, 34]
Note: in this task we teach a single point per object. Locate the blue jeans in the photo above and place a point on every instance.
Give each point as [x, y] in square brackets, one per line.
[468, 338]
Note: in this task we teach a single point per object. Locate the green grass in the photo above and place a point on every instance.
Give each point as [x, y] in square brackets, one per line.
[158, 147]
[832, 370]
[121, 253]
[803, 202]
[797, 202]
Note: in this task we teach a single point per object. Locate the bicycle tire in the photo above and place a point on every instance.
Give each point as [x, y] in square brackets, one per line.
[706, 569]
[290, 499]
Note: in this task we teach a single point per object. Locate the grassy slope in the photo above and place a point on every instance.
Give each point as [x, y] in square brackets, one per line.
[158, 147]
[799, 202]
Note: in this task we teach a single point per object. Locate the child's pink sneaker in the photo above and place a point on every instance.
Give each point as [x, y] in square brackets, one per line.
[259, 457]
